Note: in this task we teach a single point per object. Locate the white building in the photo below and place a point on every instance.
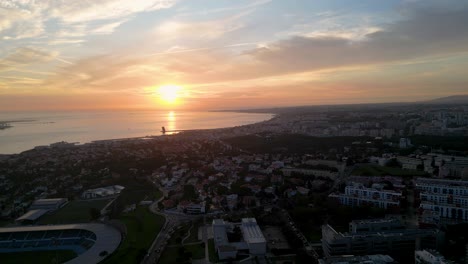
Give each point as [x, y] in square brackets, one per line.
[448, 198]
[367, 259]
[192, 208]
[48, 204]
[410, 163]
[231, 201]
[405, 143]
[102, 192]
[252, 238]
[429, 256]
[358, 195]
[315, 172]
[378, 237]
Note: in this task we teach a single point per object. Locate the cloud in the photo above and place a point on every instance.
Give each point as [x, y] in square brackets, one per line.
[209, 29]
[21, 19]
[297, 68]
[25, 56]
[107, 28]
[85, 11]
[423, 34]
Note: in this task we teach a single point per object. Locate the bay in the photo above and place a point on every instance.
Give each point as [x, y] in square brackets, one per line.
[31, 129]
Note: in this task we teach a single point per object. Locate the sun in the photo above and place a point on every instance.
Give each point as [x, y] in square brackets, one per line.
[169, 93]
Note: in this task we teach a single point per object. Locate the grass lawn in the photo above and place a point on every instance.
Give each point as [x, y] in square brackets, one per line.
[194, 232]
[73, 212]
[179, 234]
[156, 194]
[313, 234]
[39, 257]
[142, 228]
[171, 254]
[197, 250]
[5, 223]
[212, 251]
[376, 170]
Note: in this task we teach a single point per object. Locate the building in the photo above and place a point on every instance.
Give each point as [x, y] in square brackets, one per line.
[405, 143]
[381, 236]
[192, 208]
[253, 236]
[231, 201]
[315, 172]
[48, 204]
[357, 194]
[375, 225]
[448, 198]
[428, 256]
[252, 239]
[31, 216]
[410, 163]
[102, 192]
[367, 259]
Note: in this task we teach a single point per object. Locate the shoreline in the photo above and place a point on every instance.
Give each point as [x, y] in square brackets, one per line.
[177, 132]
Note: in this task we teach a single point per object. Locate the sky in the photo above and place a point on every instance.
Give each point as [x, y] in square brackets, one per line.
[229, 54]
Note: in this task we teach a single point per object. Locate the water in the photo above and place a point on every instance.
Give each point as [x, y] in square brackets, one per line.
[43, 128]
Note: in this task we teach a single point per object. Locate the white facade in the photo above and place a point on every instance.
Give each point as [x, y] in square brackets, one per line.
[429, 257]
[253, 236]
[447, 198]
[394, 241]
[253, 239]
[102, 192]
[358, 195]
[319, 173]
[48, 204]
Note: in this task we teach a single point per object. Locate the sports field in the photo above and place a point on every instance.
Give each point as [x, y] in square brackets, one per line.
[74, 212]
[37, 257]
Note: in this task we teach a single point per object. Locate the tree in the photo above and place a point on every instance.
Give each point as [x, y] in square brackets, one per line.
[94, 213]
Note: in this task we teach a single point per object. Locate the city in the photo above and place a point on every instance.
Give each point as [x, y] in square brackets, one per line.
[234, 132]
[271, 192]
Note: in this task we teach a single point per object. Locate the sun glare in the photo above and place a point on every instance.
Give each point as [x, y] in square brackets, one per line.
[169, 93]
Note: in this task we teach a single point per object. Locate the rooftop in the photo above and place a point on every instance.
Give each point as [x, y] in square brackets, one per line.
[32, 215]
[251, 231]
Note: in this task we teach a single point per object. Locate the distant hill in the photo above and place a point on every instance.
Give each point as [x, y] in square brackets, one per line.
[454, 99]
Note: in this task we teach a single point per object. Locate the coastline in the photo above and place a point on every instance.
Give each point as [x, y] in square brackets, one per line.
[176, 132]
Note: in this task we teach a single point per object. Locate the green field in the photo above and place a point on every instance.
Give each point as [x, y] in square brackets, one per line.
[174, 254]
[142, 228]
[73, 212]
[376, 170]
[5, 223]
[38, 257]
[194, 232]
[212, 251]
[179, 234]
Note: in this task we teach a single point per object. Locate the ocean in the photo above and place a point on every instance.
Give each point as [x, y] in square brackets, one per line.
[31, 129]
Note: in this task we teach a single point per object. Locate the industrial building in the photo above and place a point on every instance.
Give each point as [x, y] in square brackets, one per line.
[48, 204]
[367, 259]
[429, 256]
[253, 241]
[102, 192]
[379, 236]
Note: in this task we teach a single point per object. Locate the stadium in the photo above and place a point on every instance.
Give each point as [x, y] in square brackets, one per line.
[91, 242]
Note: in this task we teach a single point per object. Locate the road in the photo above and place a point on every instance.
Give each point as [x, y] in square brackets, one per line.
[173, 220]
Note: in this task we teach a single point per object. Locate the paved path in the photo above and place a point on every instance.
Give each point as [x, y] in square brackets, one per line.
[205, 239]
